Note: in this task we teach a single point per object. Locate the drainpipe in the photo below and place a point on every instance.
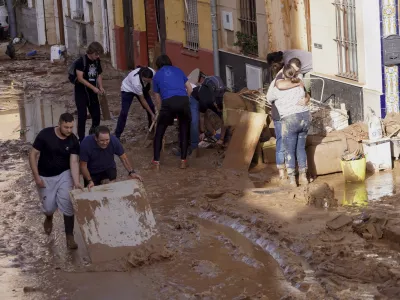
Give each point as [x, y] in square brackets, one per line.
[11, 19]
[213, 4]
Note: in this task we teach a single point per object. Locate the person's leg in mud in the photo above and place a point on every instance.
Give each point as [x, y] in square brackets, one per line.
[290, 134]
[280, 151]
[194, 129]
[126, 101]
[47, 196]
[184, 117]
[81, 102]
[304, 119]
[164, 120]
[194, 124]
[94, 110]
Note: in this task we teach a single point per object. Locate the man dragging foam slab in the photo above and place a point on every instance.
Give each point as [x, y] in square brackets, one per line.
[56, 172]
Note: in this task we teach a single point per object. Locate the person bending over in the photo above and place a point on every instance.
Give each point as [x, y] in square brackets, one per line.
[172, 91]
[136, 85]
[97, 158]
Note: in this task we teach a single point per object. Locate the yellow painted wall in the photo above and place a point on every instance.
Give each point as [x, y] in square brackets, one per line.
[205, 27]
[139, 15]
[119, 19]
[174, 16]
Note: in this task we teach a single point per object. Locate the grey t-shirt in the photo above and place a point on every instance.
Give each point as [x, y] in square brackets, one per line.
[304, 56]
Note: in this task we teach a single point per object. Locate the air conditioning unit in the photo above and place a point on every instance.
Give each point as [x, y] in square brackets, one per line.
[253, 77]
[3, 14]
[227, 20]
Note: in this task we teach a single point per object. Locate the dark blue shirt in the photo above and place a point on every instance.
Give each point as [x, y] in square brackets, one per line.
[170, 81]
[98, 159]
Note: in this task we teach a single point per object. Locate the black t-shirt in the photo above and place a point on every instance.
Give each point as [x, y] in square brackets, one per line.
[91, 71]
[54, 152]
[206, 99]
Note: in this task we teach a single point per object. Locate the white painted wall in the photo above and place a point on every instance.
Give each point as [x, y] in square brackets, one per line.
[323, 31]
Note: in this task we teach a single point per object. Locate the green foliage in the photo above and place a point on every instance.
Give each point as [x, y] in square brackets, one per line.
[248, 44]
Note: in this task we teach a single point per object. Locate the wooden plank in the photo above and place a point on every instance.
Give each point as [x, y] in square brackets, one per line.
[114, 219]
[244, 141]
[104, 107]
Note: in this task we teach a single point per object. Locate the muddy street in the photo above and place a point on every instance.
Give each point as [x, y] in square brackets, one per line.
[227, 235]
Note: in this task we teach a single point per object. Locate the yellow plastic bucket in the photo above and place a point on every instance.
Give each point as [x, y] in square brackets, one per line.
[354, 170]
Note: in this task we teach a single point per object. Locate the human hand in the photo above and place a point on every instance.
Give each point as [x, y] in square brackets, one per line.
[90, 185]
[135, 176]
[40, 183]
[77, 185]
[102, 91]
[96, 91]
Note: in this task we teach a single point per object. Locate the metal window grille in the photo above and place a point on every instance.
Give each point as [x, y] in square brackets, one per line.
[248, 17]
[346, 38]
[191, 25]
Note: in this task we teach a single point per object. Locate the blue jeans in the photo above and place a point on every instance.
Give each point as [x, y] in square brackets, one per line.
[194, 125]
[294, 132]
[280, 150]
[126, 101]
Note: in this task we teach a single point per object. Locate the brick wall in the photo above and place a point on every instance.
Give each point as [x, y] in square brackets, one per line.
[151, 24]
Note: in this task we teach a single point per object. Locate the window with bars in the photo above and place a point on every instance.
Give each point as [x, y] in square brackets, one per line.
[248, 22]
[191, 25]
[346, 38]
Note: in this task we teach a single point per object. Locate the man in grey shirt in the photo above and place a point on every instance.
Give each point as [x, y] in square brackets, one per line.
[284, 57]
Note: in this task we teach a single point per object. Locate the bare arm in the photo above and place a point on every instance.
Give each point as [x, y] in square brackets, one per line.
[79, 75]
[286, 84]
[33, 162]
[85, 171]
[145, 105]
[125, 161]
[100, 82]
[158, 101]
[189, 88]
[74, 165]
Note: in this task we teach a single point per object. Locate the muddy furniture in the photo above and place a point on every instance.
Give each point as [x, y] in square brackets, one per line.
[246, 115]
[324, 153]
[115, 219]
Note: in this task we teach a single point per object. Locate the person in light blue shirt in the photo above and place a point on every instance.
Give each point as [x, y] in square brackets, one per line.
[172, 91]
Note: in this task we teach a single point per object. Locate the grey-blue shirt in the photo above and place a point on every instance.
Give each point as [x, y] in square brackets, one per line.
[98, 159]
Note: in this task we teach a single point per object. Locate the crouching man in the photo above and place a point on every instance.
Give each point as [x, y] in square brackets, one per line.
[56, 172]
[97, 158]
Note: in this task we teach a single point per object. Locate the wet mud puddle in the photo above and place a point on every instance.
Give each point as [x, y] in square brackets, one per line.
[211, 261]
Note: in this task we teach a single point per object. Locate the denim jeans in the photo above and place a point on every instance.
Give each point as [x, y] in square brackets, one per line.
[294, 132]
[126, 101]
[194, 125]
[280, 150]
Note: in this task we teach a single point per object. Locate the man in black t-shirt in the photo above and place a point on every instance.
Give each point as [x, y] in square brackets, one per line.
[57, 172]
[89, 84]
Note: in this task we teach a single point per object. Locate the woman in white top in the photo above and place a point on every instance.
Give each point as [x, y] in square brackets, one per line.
[136, 84]
[296, 118]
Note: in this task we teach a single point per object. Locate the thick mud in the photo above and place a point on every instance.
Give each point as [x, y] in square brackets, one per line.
[227, 235]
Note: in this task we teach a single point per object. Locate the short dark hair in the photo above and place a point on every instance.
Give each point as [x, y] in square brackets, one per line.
[163, 60]
[274, 57]
[101, 129]
[66, 118]
[145, 72]
[295, 61]
[95, 47]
